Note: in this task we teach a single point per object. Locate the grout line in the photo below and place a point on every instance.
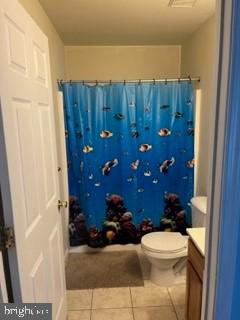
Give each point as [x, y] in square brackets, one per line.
[111, 308]
[131, 302]
[175, 311]
[76, 310]
[91, 305]
[92, 299]
[137, 307]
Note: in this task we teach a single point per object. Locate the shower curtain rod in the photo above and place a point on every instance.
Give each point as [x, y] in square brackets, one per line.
[165, 80]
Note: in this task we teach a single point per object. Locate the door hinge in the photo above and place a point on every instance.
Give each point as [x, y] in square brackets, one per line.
[7, 239]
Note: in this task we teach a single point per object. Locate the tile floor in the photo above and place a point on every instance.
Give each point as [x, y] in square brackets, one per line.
[130, 303]
[135, 303]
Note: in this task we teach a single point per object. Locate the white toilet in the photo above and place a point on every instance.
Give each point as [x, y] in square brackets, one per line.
[167, 251]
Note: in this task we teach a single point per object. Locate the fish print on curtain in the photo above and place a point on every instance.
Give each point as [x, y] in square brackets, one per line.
[131, 140]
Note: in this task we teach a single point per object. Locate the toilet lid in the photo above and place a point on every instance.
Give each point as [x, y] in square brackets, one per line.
[165, 242]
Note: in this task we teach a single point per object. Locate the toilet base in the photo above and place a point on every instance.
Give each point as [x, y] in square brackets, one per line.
[166, 278]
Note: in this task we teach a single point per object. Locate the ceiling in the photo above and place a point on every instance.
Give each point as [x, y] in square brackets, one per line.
[125, 22]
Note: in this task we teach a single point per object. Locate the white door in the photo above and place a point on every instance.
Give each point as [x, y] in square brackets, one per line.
[30, 163]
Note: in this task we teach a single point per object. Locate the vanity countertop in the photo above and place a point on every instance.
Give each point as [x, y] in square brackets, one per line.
[198, 237]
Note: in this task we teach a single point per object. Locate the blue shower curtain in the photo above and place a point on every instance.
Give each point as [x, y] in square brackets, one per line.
[134, 140]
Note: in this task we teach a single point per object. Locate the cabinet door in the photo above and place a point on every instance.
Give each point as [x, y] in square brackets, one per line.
[194, 294]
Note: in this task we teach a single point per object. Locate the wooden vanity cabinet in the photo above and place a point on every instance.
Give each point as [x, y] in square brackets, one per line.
[195, 267]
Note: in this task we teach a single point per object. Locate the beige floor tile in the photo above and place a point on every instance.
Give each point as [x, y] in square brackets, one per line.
[154, 313]
[177, 294]
[111, 298]
[150, 296]
[79, 299]
[112, 314]
[180, 310]
[79, 315]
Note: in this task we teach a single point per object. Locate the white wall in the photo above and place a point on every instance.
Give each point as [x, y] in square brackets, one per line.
[198, 59]
[122, 62]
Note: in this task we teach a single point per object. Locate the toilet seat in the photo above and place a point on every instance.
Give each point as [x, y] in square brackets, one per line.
[164, 242]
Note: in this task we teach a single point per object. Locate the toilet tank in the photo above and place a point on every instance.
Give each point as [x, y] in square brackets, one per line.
[199, 210]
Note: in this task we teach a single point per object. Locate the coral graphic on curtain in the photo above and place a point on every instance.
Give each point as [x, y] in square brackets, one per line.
[131, 140]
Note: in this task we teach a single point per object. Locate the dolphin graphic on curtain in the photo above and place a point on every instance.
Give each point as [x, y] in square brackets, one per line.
[134, 140]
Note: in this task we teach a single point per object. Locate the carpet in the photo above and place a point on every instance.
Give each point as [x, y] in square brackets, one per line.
[103, 270]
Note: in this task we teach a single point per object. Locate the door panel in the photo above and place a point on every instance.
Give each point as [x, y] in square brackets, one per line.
[38, 276]
[49, 163]
[16, 46]
[25, 143]
[40, 65]
[30, 160]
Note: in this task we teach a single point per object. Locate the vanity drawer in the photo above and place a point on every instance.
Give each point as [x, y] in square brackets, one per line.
[196, 259]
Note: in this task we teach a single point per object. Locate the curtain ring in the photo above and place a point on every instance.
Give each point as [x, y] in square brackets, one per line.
[110, 82]
[166, 81]
[59, 81]
[124, 82]
[70, 82]
[139, 81]
[83, 82]
[190, 80]
[96, 82]
[179, 80]
[154, 81]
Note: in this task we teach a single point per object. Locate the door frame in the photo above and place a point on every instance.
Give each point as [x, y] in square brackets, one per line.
[11, 267]
[214, 277]
[6, 292]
